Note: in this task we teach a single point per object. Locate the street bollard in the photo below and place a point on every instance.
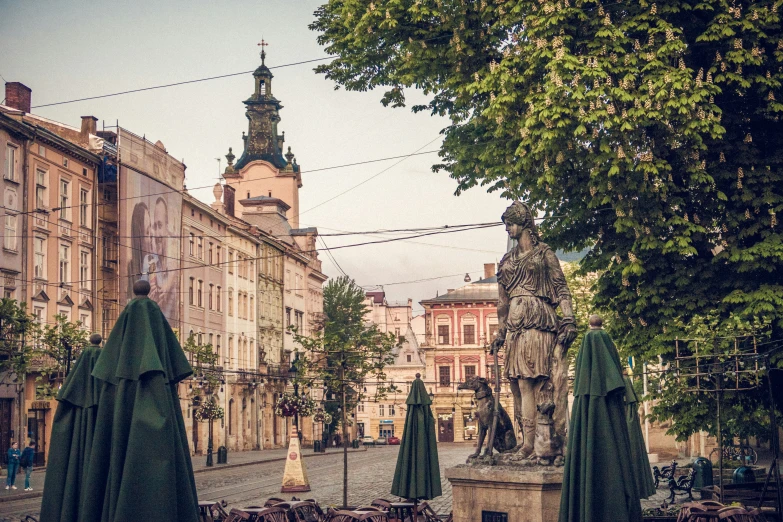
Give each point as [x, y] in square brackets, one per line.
[743, 475]
[703, 474]
[222, 455]
[317, 446]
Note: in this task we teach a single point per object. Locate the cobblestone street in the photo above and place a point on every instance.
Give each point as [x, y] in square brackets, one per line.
[370, 477]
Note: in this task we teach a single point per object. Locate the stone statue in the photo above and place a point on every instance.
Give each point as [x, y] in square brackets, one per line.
[531, 287]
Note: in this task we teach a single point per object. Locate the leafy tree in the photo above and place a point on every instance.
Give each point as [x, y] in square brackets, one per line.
[57, 348]
[343, 353]
[647, 132]
[17, 331]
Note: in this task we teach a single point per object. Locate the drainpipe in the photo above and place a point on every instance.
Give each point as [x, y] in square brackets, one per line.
[21, 434]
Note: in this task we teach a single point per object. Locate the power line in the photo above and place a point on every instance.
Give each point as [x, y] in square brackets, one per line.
[371, 177]
[329, 254]
[178, 83]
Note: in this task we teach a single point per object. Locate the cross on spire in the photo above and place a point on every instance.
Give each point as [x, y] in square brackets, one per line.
[263, 44]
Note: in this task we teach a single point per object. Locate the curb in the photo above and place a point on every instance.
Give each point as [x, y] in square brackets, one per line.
[275, 459]
[36, 494]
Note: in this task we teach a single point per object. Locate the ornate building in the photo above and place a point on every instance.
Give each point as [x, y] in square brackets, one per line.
[459, 326]
[262, 190]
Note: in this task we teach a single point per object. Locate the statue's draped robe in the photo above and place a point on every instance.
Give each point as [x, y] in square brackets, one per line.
[531, 286]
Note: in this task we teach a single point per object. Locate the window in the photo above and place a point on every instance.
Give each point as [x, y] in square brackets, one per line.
[360, 408]
[84, 270]
[211, 289]
[9, 239]
[445, 375]
[397, 332]
[219, 299]
[381, 410]
[252, 308]
[190, 290]
[211, 338]
[40, 189]
[287, 319]
[409, 358]
[209, 253]
[10, 162]
[9, 293]
[200, 293]
[64, 186]
[443, 334]
[469, 334]
[391, 410]
[493, 332]
[231, 302]
[105, 321]
[470, 371]
[84, 196]
[230, 262]
[217, 255]
[65, 254]
[201, 248]
[200, 339]
[41, 150]
[192, 243]
[217, 348]
[85, 320]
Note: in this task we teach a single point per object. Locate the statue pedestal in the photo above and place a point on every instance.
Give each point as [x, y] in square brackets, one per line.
[531, 494]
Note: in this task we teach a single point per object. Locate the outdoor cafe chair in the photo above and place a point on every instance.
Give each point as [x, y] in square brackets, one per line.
[271, 514]
[237, 515]
[738, 514]
[428, 512]
[381, 503]
[305, 511]
[273, 501]
[357, 516]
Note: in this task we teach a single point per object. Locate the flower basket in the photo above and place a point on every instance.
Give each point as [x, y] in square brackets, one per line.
[319, 415]
[289, 405]
[208, 411]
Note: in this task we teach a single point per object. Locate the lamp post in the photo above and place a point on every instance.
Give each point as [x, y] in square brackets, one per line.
[208, 393]
[292, 371]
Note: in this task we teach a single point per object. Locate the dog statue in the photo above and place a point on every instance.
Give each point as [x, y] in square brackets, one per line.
[505, 440]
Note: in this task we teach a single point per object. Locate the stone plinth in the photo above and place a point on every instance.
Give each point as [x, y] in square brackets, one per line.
[530, 494]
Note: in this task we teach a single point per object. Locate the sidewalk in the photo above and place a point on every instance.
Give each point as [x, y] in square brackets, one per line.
[235, 459]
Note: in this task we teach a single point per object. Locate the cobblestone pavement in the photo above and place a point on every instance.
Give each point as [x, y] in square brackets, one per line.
[369, 476]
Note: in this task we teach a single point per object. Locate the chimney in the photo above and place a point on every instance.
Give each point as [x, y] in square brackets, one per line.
[89, 126]
[489, 270]
[18, 96]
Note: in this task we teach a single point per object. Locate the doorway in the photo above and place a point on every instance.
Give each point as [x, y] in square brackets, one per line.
[6, 427]
[36, 432]
[446, 427]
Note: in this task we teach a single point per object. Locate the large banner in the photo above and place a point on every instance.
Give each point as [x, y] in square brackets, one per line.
[150, 229]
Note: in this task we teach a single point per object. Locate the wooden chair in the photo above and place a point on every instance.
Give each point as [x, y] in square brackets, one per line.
[237, 515]
[424, 509]
[272, 501]
[700, 507]
[382, 503]
[272, 514]
[217, 513]
[696, 514]
[354, 516]
[738, 514]
[305, 511]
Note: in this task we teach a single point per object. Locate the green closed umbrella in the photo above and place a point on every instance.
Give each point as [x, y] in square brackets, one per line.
[641, 464]
[71, 439]
[139, 467]
[598, 480]
[417, 475]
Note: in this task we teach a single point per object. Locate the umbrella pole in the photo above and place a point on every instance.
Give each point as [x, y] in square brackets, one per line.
[496, 411]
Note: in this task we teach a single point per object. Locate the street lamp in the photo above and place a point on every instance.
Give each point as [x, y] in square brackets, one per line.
[208, 392]
[292, 371]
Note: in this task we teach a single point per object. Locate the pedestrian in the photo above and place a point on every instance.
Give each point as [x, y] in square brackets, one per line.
[13, 465]
[26, 463]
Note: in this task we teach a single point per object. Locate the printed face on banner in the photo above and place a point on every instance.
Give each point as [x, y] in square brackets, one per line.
[152, 214]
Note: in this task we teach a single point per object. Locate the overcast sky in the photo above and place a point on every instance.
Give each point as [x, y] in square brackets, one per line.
[65, 50]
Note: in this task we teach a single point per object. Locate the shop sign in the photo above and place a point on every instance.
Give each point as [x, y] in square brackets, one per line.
[40, 405]
[386, 421]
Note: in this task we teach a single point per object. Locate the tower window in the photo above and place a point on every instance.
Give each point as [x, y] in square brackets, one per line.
[248, 194]
[262, 88]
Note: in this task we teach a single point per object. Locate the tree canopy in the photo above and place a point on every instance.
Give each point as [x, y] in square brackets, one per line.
[647, 132]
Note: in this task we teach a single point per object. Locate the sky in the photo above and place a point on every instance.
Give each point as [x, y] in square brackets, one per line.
[65, 50]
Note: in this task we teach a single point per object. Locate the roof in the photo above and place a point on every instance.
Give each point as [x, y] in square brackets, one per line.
[257, 201]
[483, 290]
[377, 297]
[304, 231]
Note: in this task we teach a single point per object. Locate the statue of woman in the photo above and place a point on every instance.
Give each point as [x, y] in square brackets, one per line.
[531, 287]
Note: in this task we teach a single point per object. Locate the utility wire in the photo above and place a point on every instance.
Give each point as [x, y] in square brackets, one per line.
[178, 83]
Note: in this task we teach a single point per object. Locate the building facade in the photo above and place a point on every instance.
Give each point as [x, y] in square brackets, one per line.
[48, 244]
[384, 415]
